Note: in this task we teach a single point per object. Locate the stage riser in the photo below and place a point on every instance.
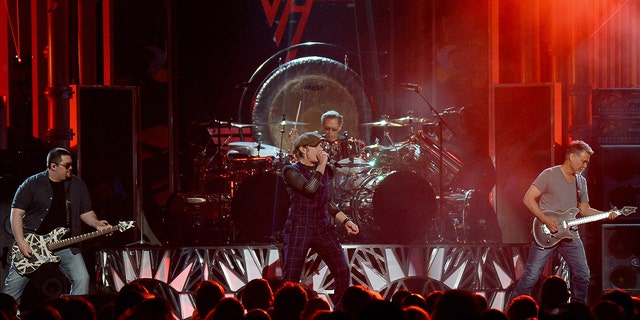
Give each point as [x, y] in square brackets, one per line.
[174, 273]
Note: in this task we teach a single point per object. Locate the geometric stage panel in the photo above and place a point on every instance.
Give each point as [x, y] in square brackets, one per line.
[490, 270]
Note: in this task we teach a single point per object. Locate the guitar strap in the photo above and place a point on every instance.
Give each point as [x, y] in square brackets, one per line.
[577, 192]
[67, 201]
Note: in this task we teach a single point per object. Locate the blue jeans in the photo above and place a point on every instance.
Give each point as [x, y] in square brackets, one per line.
[71, 265]
[573, 253]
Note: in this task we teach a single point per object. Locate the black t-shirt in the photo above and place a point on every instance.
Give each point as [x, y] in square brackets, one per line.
[57, 216]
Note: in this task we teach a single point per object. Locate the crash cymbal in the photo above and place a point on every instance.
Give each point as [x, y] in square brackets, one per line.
[410, 120]
[383, 123]
[242, 125]
[353, 163]
[288, 123]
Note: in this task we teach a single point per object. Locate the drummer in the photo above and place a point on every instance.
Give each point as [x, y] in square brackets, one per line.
[331, 125]
[342, 148]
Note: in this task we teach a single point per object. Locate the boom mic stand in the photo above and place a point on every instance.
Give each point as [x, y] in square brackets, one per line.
[441, 121]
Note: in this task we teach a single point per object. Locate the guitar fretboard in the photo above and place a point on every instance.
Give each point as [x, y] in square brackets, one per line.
[69, 241]
[588, 219]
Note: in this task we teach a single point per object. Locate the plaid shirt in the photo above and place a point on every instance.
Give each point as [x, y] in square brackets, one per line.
[309, 196]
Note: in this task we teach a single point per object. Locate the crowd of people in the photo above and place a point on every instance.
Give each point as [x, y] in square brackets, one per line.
[291, 301]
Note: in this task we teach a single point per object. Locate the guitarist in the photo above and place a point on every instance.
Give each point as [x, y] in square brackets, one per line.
[558, 189]
[45, 201]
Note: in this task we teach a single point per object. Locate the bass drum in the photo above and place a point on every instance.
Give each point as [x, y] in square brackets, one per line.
[196, 219]
[397, 207]
[259, 208]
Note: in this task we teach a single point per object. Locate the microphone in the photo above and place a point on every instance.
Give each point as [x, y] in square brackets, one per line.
[411, 86]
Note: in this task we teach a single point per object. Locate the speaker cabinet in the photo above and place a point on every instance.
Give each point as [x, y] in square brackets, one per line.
[619, 178]
[527, 121]
[620, 257]
[107, 124]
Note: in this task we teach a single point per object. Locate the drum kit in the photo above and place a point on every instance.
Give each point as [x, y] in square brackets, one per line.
[397, 192]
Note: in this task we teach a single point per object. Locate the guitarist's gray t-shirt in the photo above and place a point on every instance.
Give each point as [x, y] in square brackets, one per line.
[557, 193]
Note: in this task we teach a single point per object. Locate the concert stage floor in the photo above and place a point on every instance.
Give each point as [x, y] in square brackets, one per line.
[487, 269]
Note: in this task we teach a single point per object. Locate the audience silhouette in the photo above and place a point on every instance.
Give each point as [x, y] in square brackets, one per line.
[291, 301]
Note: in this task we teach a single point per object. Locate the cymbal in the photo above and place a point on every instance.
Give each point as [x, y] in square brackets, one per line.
[254, 148]
[211, 123]
[373, 147]
[410, 120]
[242, 125]
[288, 123]
[383, 123]
[353, 163]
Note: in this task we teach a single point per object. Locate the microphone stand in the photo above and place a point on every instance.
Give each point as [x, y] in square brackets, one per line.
[441, 122]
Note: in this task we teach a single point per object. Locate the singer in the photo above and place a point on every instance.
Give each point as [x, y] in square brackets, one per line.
[308, 222]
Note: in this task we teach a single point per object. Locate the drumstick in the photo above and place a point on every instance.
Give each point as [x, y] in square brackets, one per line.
[295, 126]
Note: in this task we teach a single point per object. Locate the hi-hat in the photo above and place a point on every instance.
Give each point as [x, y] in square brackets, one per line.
[410, 120]
[383, 123]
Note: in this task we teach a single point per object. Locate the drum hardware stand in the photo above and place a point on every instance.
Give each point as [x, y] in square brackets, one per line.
[142, 222]
[217, 144]
[278, 171]
[440, 123]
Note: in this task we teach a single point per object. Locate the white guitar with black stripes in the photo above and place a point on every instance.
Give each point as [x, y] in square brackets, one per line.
[43, 245]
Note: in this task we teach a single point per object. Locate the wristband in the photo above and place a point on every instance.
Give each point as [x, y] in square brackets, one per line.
[346, 220]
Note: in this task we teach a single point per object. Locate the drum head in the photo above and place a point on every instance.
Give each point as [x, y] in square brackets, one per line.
[259, 208]
[404, 208]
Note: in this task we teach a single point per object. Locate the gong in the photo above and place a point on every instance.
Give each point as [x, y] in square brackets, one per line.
[315, 85]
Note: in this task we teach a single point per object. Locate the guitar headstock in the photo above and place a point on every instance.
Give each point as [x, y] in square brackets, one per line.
[626, 210]
[124, 225]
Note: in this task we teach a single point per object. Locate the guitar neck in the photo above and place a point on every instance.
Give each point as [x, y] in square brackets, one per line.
[588, 219]
[69, 241]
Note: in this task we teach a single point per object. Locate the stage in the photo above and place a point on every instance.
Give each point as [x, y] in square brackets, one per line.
[487, 269]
